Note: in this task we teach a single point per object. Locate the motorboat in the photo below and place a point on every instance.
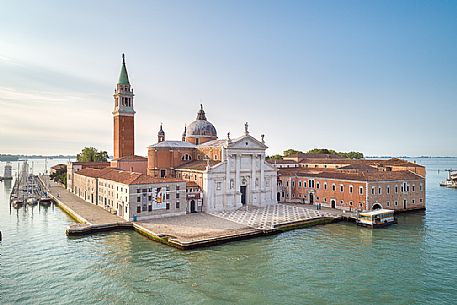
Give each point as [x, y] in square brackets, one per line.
[376, 218]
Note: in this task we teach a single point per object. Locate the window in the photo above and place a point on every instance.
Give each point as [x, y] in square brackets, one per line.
[138, 199]
[325, 186]
[304, 183]
[186, 157]
[388, 203]
[293, 183]
[379, 190]
[317, 185]
[413, 201]
[299, 183]
[396, 189]
[413, 187]
[372, 190]
[350, 189]
[420, 200]
[388, 189]
[361, 190]
[138, 209]
[167, 196]
[150, 208]
[333, 187]
[167, 206]
[341, 202]
[341, 188]
[177, 204]
[218, 185]
[137, 190]
[177, 195]
[351, 203]
[396, 203]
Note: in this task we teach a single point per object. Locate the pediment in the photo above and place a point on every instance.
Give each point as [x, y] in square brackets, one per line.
[247, 142]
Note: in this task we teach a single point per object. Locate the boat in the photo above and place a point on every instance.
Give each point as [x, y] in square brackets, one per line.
[17, 203]
[451, 181]
[376, 218]
[45, 201]
[32, 201]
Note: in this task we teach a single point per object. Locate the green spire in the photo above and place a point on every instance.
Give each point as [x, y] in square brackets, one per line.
[123, 77]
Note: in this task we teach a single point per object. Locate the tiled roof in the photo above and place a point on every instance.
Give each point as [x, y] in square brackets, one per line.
[173, 144]
[191, 184]
[131, 158]
[213, 143]
[356, 175]
[124, 177]
[376, 162]
[199, 165]
[92, 164]
[283, 161]
[358, 167]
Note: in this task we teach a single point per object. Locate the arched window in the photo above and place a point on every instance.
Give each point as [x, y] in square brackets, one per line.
[186, 157]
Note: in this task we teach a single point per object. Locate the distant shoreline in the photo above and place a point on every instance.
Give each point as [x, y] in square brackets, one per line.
[8, 157]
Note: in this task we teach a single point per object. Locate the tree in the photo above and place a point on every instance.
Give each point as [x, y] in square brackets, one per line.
[322, 151]
[290, 152]
[275, 157]
[91, 154]
[60, 176]
[349, 155]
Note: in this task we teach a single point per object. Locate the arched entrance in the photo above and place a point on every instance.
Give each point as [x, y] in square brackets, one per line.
[311, 198]
[333, 203]
[192, 206]
[376, 206]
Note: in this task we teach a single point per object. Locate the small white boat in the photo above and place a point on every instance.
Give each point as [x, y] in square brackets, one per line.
[32, 201]
[376, 219]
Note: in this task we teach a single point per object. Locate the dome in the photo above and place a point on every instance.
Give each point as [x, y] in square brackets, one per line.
[201, 127]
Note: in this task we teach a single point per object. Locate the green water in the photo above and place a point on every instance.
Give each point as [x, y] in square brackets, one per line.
[413, 262]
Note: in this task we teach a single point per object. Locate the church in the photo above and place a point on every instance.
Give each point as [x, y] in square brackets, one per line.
[220, 174]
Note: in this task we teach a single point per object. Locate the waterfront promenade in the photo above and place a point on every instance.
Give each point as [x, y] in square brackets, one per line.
[191, 230]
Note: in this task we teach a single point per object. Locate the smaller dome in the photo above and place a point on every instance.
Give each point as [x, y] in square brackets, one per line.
[201, 127]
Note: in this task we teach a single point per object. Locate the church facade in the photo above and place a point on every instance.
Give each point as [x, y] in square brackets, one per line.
[231, 173]
[216, 175]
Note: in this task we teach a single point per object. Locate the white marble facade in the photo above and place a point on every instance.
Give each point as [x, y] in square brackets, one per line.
[242, 178]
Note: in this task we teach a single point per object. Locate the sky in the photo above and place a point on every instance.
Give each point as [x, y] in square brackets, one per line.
[378, 77]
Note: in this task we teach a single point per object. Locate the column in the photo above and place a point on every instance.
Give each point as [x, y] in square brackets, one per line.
[237, 178]
[262, 173]
[253, 177]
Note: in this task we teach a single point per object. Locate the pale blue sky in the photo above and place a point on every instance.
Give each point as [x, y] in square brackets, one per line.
[373, 76]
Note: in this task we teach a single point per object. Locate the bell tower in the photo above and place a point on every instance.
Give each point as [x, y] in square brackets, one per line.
[123, 114]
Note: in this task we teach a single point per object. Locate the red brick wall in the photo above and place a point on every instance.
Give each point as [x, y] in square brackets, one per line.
[124, 136]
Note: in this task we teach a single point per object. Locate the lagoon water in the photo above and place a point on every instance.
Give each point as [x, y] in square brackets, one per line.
[413, 262]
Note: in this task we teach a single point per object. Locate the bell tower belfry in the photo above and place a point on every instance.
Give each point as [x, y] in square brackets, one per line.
[123, 114]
